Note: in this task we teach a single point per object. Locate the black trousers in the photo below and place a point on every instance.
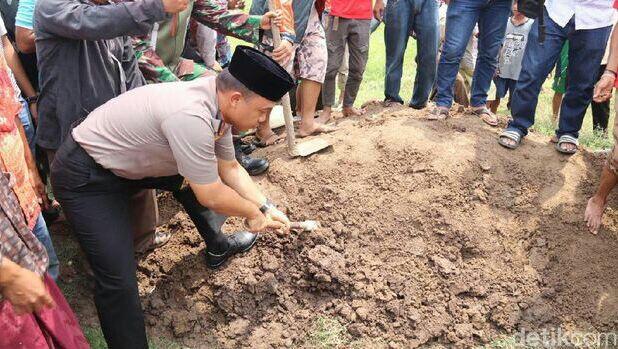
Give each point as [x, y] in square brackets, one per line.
[96, 203]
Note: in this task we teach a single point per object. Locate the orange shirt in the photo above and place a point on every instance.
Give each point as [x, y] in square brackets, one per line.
[353, 9]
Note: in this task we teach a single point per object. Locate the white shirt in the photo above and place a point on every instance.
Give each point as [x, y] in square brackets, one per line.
[589, 14]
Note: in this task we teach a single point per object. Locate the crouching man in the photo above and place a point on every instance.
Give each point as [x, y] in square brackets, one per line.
[174, 137]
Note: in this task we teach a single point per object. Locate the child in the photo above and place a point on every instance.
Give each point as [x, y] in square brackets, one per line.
[511, 55]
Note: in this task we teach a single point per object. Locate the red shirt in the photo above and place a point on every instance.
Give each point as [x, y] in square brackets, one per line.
[353, 9]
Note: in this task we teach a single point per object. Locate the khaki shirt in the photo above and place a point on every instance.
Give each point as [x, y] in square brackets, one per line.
[160, 130]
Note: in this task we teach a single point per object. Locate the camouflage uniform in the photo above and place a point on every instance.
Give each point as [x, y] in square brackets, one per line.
[160, 65]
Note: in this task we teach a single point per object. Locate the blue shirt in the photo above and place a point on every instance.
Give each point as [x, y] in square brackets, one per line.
[25, 14]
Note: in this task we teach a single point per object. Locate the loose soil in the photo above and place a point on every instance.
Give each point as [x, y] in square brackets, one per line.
[432, 235]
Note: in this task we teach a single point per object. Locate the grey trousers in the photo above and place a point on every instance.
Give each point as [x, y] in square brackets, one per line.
[354, 33]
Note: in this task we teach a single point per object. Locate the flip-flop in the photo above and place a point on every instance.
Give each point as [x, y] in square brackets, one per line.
[263, 143]
[512, 135]
[486, 115]
[567, 139]
[323, 128]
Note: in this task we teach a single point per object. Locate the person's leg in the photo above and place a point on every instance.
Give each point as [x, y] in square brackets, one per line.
[492, 26]
[342, 76]
[336, 35]
[600, 111]
[461, 17]
[609, 179]
[538, 61]
[427, 29]
[556, 102]
[219, 247]
[581, 78]
[96, 203]
[311, 63]
[42, 234]
[358, 46]
[396, 27]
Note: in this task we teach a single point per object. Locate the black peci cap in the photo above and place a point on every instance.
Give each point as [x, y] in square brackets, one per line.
[260, 73]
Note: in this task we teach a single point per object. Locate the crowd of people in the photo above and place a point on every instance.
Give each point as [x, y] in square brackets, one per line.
[103, 102]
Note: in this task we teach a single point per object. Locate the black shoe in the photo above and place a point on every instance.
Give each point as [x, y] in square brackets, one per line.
[254, 166]
[247, 148]
[239, 242]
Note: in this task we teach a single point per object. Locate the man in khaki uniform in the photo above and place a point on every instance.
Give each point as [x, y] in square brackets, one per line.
[178, 139]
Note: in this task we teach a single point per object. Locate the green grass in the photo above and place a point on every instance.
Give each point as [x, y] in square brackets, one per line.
[327, 333]
[97, 341]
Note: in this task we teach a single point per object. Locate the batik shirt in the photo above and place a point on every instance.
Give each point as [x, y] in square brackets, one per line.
[12, 157]
[17, 243]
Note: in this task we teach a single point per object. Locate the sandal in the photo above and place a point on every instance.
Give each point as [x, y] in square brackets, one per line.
[486, 115]
[511, 135]
[270, 140]
[567, 139]
[438, 113]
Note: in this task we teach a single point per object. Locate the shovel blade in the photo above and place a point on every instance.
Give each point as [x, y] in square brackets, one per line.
[311, 146]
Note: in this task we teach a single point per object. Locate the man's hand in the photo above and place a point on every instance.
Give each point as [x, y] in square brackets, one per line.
[236, 4]
[174, 6]
[378, 10]
[277, 216]
[262, 223]
[276, 17]
[24, 289]
[603, 88]
[283, 53]
[39, 188]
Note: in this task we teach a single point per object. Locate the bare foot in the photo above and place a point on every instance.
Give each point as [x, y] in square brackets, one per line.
[324, 116]
[268, 138]
[316, 128]
[351, 111]
[594, 214]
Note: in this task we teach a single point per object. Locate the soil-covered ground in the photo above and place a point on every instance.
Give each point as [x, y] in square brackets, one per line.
[432, 234]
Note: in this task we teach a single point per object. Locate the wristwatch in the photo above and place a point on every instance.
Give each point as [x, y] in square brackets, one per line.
[267, 206]
[32, 99]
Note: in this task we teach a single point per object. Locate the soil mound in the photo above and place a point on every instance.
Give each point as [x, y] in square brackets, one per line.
[432, 234]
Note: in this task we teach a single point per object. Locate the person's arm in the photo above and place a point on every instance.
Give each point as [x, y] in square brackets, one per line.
[24, 28]
[12, 60]
[603, 88]
[24, 289]
[35, 178]
[81, 21]
[24, 38]
[378, 10]
[206, 40]
[232, 22]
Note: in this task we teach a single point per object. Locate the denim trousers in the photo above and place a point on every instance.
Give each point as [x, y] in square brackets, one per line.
[42, 234]
[461, 18]
[400, 18]
[586, 49]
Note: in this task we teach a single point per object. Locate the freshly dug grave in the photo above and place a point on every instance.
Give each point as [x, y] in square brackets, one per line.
[432, 234]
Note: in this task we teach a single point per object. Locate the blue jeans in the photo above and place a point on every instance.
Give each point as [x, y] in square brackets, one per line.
[26, 121]
[42, 234]
[586, 49]
[400, 17]
[461, 18]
